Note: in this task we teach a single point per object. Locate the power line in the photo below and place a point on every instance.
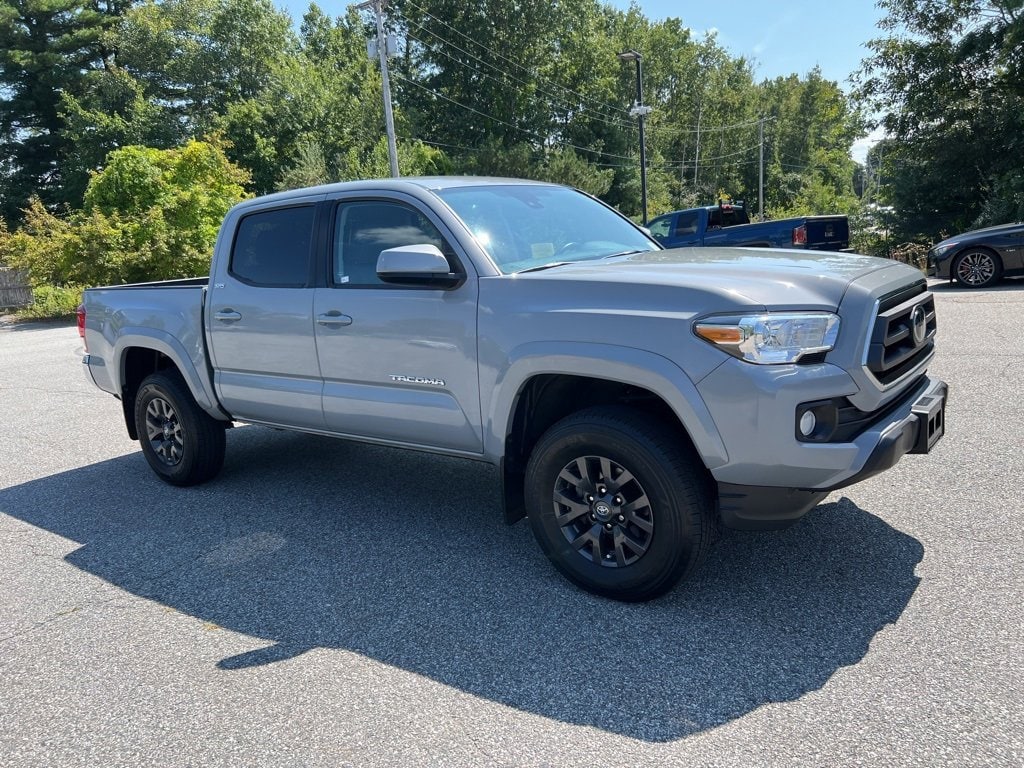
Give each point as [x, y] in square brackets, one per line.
[510, 125]
[597, 114]
[668, 128]
[530, 72]
[442, 144]
[616, 123]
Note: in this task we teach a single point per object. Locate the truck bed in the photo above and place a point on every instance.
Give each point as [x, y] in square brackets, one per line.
[165, 316]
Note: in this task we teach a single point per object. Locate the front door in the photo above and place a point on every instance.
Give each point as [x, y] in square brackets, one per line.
[398, 363]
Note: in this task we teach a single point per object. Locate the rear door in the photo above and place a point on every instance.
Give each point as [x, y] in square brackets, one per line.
[260, 316]
[399, 362]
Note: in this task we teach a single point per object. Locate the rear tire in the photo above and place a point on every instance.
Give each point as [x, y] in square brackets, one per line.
[182, 443]
[619, 503]
[977, 268]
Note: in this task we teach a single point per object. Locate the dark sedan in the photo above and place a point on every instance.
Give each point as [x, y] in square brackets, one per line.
[980, 258]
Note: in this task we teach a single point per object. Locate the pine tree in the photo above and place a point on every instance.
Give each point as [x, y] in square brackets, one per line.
[46, 49]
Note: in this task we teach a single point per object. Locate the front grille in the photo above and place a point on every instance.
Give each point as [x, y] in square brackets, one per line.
[894, 350]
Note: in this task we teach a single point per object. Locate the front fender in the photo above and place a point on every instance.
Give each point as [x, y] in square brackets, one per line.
[640, 368]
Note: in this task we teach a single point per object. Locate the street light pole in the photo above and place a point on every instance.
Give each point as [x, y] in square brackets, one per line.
[639, 111]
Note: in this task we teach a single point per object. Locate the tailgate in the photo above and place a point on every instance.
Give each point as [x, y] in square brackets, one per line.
[828, 233]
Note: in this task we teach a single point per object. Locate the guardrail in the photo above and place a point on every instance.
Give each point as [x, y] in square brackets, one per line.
[15, 291]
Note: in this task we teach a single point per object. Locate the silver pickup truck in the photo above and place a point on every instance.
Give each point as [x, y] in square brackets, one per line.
[634, 398]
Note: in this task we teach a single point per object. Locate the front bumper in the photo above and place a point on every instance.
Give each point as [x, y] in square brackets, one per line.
[915, 428]
[939, 267]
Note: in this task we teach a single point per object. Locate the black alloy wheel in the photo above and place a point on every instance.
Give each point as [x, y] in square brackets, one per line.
[182, 443]
[620, 502]
[603, 511]
[163, 430]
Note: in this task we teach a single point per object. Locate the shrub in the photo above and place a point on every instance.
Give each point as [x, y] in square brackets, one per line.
[51, 301]
[149, 215]
[914, 254]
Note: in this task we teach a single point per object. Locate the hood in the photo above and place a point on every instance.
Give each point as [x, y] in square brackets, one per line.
[980, 233]
[759, 276]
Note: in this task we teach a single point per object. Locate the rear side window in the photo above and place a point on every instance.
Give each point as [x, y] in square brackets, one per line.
[686, 224]
[272, 247]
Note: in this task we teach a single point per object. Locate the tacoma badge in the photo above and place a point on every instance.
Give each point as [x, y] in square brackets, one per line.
[417, 380]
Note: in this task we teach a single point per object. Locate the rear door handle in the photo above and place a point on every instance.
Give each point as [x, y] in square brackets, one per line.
[227, 316]
[333, 319]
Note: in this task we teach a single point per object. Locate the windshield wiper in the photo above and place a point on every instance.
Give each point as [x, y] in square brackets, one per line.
[627, 253]
[549, 265]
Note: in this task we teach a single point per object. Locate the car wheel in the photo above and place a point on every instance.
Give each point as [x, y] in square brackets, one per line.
[977, 268]
[183, 444]
[618, 504]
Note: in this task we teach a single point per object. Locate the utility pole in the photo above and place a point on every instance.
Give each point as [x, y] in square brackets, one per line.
[760, 183]
[696, 153]
[382, 55]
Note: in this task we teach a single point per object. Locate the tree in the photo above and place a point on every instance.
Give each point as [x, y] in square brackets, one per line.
[47, 47]
[196, 57]
[948, 82]
[149, 215]
[327, 95]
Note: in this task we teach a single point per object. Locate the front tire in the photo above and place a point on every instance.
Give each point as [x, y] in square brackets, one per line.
[977, 268]
[619, 503]
[182, 443]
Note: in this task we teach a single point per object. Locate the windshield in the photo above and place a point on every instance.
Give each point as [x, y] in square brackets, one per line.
[524, 226]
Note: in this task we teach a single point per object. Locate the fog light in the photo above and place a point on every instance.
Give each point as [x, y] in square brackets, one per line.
[807, 423]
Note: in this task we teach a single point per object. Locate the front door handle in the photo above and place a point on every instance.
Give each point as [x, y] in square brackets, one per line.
[227, 316]
[333, 319]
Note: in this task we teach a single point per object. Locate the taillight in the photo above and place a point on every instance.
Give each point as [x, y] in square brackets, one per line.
[800, 235]
[81, 325]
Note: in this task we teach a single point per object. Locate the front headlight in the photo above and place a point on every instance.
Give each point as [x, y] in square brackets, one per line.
[940, 250]
[771, 338]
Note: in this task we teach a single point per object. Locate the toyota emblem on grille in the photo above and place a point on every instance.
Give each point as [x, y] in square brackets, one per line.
[919, 324]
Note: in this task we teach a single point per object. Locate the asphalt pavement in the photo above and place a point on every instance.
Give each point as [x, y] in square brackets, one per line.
[326, 603]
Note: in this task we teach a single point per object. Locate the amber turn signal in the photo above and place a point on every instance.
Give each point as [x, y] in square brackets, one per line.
[719, 334]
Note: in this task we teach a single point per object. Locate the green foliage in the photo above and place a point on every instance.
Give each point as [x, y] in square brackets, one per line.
[111, 111]
[47, 47]
[914, 254]
[308, 170]
[51, 302]
[149, 215]
[531, 89]
[196, 57]
[948, 82]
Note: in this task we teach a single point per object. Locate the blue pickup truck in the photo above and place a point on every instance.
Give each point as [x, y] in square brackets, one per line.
[728, 224]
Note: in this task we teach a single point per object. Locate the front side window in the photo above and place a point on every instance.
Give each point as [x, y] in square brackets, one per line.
[272, 248]
[659, 228]
[526, 226]
[363, 229]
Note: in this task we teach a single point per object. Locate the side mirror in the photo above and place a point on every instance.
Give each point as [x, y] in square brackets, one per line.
[423, 265]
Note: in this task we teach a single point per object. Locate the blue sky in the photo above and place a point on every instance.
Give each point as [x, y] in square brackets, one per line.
[784, 38]
[781, 38]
